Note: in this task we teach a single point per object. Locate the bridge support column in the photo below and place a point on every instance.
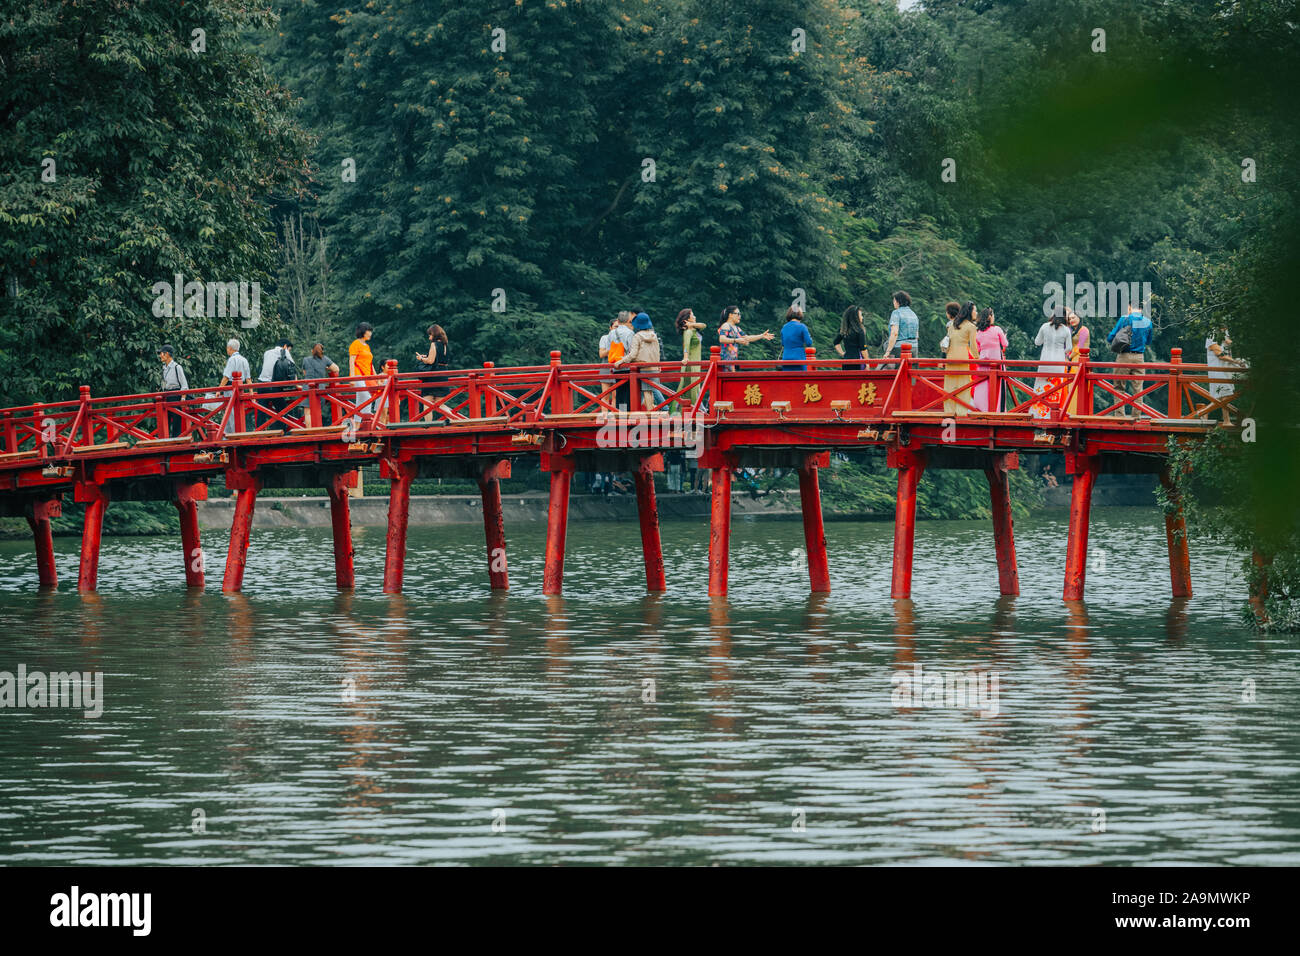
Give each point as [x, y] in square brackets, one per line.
[401, 474]
[1004, 542]
[1084, 469]
[186, 495]
[557, 526]
[494, 524]
[339, 488]
[647, 509]
[910, 465]
[39, 514]
[95, 498]
[1180, 570]
[720, 532]
[241, 528]
[814, 531]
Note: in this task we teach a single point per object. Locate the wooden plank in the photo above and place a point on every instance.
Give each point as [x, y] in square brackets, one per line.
[88, 449]
[162, 442]
[493, 420]
[320, 432]
[21, 455]
[268, 433]
[1192, 422]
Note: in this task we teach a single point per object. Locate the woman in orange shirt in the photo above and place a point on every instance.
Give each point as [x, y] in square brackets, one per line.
[361, 361]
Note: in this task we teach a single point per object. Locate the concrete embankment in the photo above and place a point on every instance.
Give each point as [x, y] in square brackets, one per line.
[372, 511]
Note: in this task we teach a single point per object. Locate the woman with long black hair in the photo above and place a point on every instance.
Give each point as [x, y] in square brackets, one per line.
[435, 361]
[851, 342]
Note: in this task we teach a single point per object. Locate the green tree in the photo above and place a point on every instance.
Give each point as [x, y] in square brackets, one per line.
[168, 148]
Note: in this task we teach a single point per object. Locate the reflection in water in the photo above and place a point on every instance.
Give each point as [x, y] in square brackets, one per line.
[719, 663]
[315, 726]
[1176, 621]
[904, 629]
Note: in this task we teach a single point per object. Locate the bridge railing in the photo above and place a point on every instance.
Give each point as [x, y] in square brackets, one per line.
[1084, 390]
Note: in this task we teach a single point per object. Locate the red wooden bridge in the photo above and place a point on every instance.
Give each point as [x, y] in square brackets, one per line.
[1104, 417]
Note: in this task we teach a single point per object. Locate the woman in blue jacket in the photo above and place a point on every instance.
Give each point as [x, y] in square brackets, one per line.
[795, 337]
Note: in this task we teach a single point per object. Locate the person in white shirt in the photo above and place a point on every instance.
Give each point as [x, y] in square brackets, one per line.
[173, 382]
[1218, 355]
[235, 363]
[269, 358]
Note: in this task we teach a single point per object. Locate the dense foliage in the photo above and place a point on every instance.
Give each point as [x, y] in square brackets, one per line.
[127, 157]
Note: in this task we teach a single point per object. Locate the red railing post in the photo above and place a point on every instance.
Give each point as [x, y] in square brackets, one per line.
[810, 355]
[904, 391]
[1083, 388]
[561, 400]
[87, 427]
[1175, 384]
[710, 376]
[313, 407]
[237, 419]
[489, 399]
[390, 383]
[993, 386]
[162, 428]
[472, 396]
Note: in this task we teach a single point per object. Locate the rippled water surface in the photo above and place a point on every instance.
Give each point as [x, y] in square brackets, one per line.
[301, 725]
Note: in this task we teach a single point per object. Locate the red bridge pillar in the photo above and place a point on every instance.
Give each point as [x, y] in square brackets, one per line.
[186, 495]
[814, 531]
[1084, 469]
[247, 485]
[494, 523]
[1180, 570]
[95, 498]
[1004, 541]
[647, 509]
[401, 474]
[39, 514]
[910, 465]
[340, 484]
[557, 523]
[720, 531]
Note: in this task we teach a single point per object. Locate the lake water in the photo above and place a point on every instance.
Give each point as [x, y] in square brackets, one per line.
[293, 724]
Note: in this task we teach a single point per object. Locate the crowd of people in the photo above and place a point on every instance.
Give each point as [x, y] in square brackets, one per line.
[972, 337]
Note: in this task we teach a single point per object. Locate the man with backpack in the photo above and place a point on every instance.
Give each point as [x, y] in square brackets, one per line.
[277, 366]
[620, 340]
[1129, 340]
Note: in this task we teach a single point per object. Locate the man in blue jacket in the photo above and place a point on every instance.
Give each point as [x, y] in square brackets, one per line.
[1134, 353]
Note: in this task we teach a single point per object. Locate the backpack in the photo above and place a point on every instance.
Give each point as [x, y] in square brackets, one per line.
[1123, 340]
[284, 369]
[616, 350]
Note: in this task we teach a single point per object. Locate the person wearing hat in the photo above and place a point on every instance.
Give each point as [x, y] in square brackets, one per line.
[644, 349]
[173, 383]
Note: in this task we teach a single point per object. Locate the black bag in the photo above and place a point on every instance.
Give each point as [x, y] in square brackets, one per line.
[1123, 340]
[284, 369]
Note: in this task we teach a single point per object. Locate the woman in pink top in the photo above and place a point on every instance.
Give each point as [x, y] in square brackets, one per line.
[991, 341]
